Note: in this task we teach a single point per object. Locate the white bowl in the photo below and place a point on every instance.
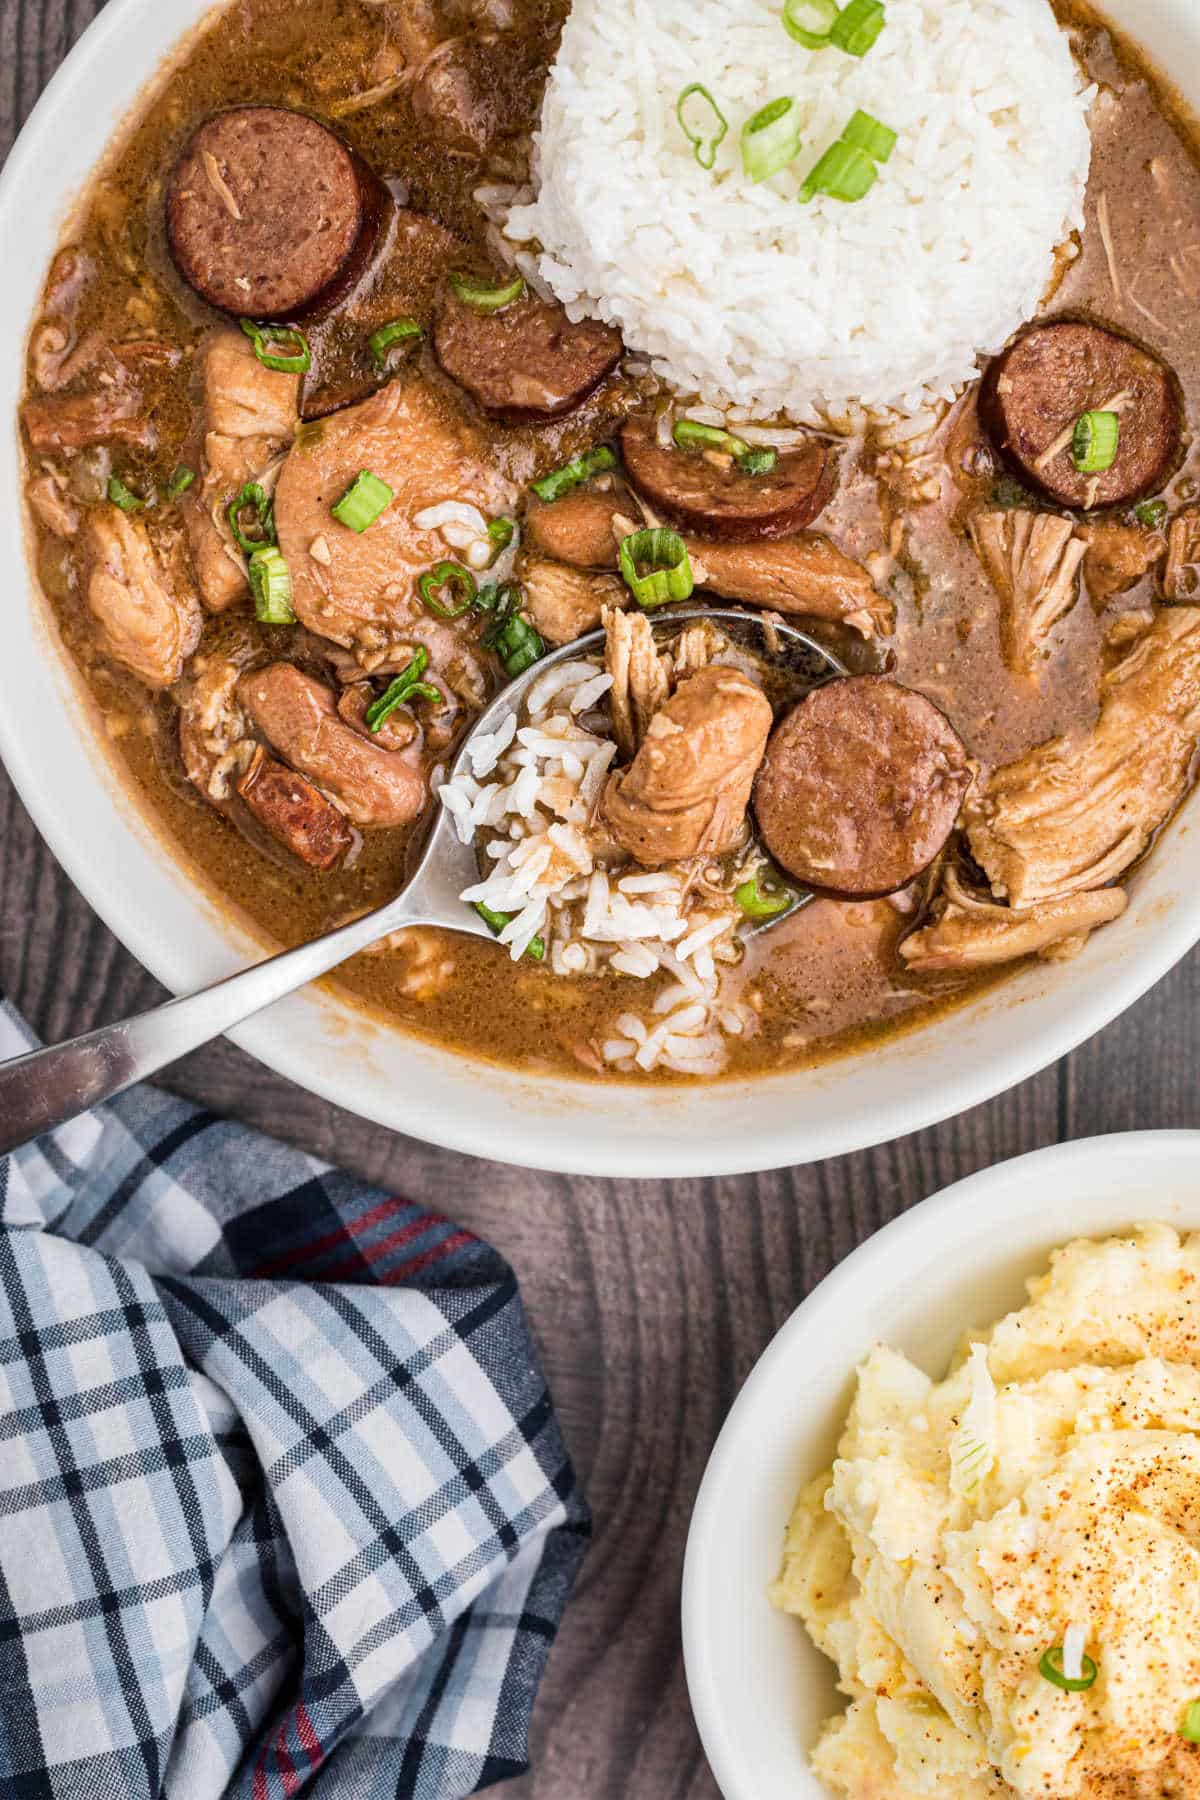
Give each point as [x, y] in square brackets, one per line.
[759, 1688]
[58, 757]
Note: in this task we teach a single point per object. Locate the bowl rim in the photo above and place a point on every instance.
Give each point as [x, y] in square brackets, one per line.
[833, 1297]
[442, 1097]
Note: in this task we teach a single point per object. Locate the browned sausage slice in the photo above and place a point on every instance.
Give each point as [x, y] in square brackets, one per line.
[270, 214]
[1034, 393]
[861, 786]
[719, 500]
[527, 362]
[294, 813]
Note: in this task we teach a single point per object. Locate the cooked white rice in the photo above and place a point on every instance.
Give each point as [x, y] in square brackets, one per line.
[739, 294]
[531, 798]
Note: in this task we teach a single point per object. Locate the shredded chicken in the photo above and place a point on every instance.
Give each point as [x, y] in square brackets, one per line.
[641, 679]
[1181, 576]
[1072, 816]
[970, 932]
[1032, 560]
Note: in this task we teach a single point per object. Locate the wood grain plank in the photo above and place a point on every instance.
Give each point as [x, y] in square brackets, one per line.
[650, 1300]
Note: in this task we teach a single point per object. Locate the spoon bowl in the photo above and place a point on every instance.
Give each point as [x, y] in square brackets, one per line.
[48, 1087]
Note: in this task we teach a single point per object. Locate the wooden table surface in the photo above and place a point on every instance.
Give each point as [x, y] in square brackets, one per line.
[650, 1300]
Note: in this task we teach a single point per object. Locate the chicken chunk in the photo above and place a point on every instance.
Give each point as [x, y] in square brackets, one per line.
[565, 603]
[49, 501]
[640, 677]
[249, 420]
[1118, 557]
[805, 574]
[299, 717]
[1073, 815]
[57, 422]
[358, 588]
[146, 623]
[581, 529]
[973, 934]
[687, 789]
[1181, 575]
[1032, 560]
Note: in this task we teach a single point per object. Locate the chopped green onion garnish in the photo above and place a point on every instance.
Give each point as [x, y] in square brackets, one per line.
[290, 355]
[124, 497]
[1190, 1728]
[810, 21]
[407, 686]
[502, 532]
[271, 586]
[771, 139]
[690, 434]
[487, 299]
[707, 141]
[397, 331]
[1094, 446]
[363, 501]
[865, 133]
[510, 635]
[763, 899]
[1051, 1667]
[1153, 515]
[180, 481]
[656, 567]
[255, 496]
[759, 460]
[448, 577]
[857, 26]
[497, 921]
[843, 173]
[592, 462]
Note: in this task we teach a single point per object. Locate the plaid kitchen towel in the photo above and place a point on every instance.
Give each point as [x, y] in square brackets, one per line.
[284, 1507]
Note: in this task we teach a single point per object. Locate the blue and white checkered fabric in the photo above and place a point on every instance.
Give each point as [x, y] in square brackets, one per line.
[283, 1501]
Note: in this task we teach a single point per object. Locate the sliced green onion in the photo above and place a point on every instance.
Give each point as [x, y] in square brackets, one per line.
[810, 21]
[1153, 515]
[291, 354]
[487, 299]
[451, 577]
[690, 434]
[763, 899]
[271, 586]
[582, 468]
[771, 139]
[252, 495]
[407, 686]
[510, 635]
[495, 922]
[1094, 446]
[857, 26]
[869, 134]
[363, 501]
[180, 481]
[656, 567]
[843, 173]
[123, 496]
[1190, 1726]
[759, 460]
[705, 143]
[396, 331]
[502, 532]
[1051, 1667]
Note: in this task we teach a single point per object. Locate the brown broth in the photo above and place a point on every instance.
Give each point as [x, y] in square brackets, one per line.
[828, 981]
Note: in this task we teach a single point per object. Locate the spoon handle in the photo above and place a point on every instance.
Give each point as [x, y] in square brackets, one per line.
[48, 1087]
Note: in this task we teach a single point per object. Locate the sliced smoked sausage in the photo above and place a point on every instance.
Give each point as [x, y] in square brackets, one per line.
[270, 215]
[294, 813]
[526, 362]
[861, 786]
[1034, 393]
[717, 499]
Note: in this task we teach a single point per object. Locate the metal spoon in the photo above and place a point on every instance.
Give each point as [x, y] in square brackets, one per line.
[48, 1087]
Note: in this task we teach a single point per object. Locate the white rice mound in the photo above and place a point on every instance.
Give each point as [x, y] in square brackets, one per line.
[531, 795]
[742, 296]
